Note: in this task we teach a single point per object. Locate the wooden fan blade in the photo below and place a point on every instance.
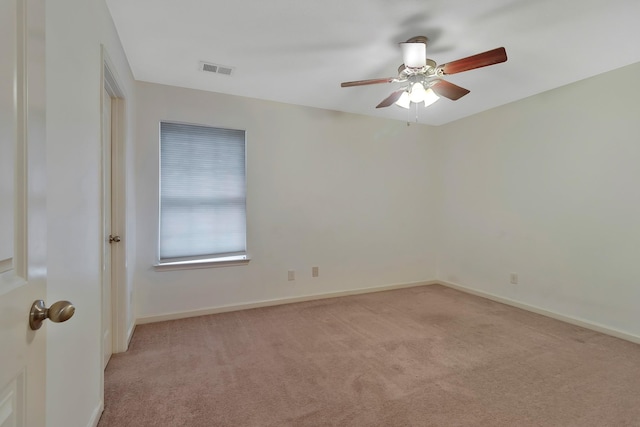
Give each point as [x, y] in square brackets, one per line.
[389, 100]
[367, 82]
[480, 60]
[449, 90]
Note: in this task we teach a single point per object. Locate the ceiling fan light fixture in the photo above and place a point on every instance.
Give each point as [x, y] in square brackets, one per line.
[430, 97]
[414, 54]
[404, 100]
[417, 93]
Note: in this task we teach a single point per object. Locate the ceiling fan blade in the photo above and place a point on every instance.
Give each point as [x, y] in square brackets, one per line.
[480, 60]
[414, 55]
[389, 100]
[367, 82]
[449, 90]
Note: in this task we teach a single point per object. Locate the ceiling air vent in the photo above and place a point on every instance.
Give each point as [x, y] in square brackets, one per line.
[216, 68]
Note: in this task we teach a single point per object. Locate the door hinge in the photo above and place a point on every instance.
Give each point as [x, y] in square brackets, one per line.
[114, 239]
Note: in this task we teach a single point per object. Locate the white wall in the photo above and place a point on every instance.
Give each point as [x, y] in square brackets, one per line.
[347, 193]
[543, 187]
[74, 33]
[547, 187]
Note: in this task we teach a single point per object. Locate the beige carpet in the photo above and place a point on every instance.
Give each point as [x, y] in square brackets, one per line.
[424, 356]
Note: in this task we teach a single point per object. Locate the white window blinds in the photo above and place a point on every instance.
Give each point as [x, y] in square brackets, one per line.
[202, 192]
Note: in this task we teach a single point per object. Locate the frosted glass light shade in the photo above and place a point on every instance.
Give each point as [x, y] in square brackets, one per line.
[414, 54]
[430, 97]
[404, 100]
[417, 93]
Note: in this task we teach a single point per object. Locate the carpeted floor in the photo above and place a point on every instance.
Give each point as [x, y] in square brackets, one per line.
[424, 356]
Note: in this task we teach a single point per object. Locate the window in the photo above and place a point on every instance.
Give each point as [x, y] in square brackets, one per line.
[202, 195]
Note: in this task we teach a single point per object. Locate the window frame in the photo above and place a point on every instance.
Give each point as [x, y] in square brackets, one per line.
[203, 261]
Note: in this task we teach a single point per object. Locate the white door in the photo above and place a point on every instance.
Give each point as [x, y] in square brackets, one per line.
[107, 340]
[22, 212]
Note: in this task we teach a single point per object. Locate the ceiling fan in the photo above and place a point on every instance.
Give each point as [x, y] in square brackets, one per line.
[424, 77]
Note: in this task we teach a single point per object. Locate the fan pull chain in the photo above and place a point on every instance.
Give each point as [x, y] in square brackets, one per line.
[409, 114]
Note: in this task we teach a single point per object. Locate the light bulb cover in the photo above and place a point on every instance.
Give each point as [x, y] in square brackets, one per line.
[418, 93]
[414, 54]
[430, 97]
[404, 100]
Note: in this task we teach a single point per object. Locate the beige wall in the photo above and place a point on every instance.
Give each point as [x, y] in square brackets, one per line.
[347, 193]
[547, 187]
[543, 188]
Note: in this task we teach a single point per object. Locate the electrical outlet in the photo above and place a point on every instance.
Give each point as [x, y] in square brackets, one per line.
[291, 275]
[314, 271]
[514, 278]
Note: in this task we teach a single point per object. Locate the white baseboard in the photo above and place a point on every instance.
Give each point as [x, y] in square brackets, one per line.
[568, 319]
[95, 417]
[132, 328]
[269, 303]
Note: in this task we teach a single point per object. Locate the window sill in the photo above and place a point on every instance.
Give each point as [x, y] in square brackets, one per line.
[202, 263]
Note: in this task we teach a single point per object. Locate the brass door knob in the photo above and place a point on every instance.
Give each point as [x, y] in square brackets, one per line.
[60, 311]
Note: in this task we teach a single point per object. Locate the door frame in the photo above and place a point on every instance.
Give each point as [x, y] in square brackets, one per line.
[120, 297]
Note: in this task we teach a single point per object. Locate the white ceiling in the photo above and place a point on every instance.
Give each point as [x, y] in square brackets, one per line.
[298, 51]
